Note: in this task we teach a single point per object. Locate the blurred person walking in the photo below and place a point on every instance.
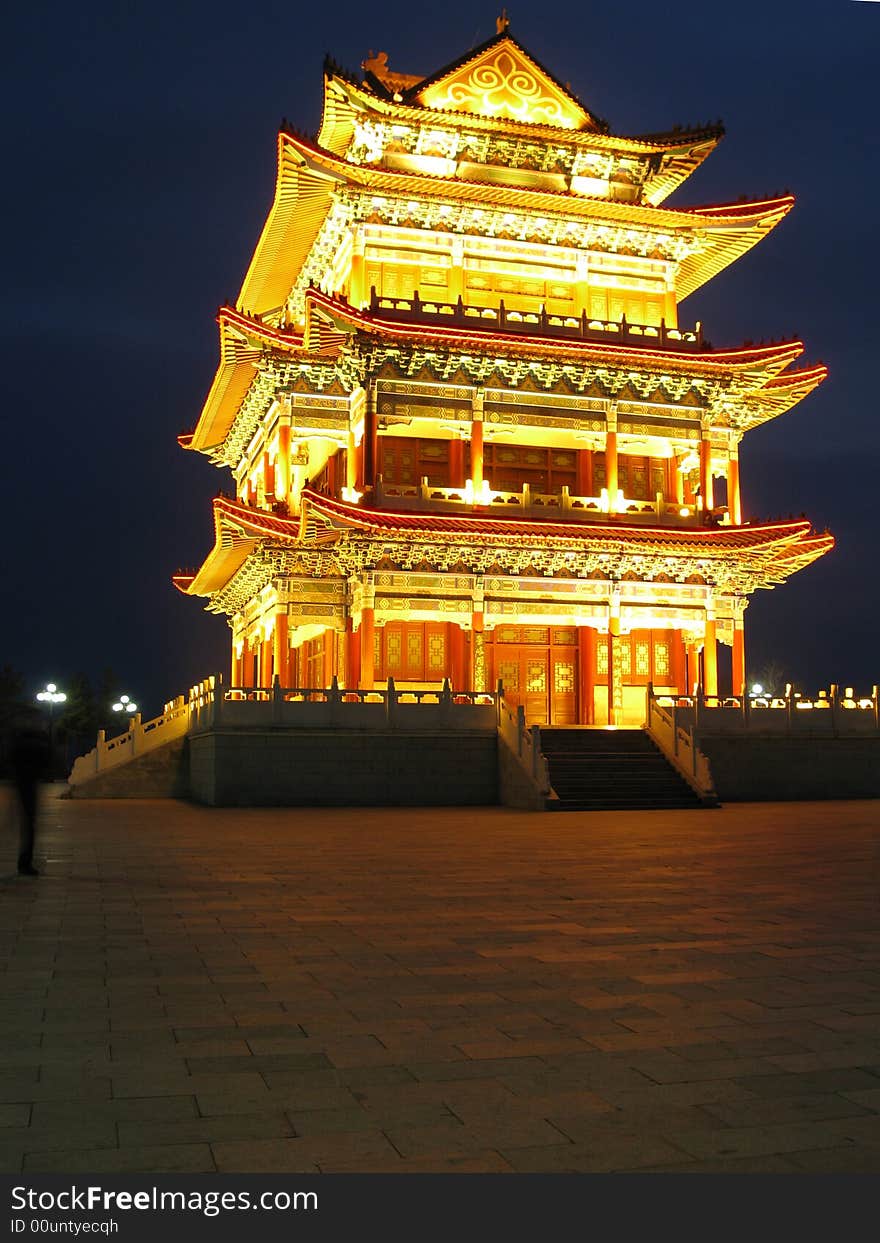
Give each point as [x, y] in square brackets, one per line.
[29, 758]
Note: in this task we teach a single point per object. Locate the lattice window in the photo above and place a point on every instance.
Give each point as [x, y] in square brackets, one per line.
[565, 638]
[661, 660]
[507, 634]
[643, 660]
[508, 672]
[536, 677]
[639, 482]
[537, 634]
[436, 652]
[625, 658]
[602, 656]
[563, 677]
[414, 650]
[394, 650]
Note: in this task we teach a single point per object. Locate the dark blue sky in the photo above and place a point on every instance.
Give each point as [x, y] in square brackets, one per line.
[140, 163]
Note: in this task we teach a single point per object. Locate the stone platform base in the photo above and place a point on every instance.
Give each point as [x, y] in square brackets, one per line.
[336, 768]
[767, 769]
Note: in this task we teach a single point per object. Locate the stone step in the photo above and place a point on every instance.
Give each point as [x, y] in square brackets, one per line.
[613, 770]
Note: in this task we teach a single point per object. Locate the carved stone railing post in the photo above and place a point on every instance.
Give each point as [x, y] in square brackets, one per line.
[277, 700]
[520, 728]
[536, 751]
[217, 700]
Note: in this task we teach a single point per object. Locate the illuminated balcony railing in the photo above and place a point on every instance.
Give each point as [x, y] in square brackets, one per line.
[561, 506]
[834, 712]
[416, 310]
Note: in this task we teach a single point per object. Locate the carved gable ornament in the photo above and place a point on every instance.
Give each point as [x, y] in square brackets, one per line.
[505, 82]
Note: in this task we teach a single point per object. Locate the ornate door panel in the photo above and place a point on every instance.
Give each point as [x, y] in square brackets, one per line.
[535, 698]
[540, 675]
[411, 652]
[563, 706]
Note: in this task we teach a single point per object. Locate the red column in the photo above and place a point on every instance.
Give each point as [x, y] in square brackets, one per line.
[282, 469]
[282, 649]
[456, 463]
[693, 667]
[706, 475]
[476, 675]
[477, 454]
[614, 687]
[329, 657]
[369, 444]
[739, 659]
[734, 503]
[583, 484]
[457, 663]
[268, 477]
[352, 656]
[710, 659]
[367, 632]
[678, 665]
[611, 468]
[235, 666]
[266, 663]
[586, 673]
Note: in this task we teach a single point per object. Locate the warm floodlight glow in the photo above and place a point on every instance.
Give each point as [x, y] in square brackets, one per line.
[684, 512]
[125, 704]
[757, 689]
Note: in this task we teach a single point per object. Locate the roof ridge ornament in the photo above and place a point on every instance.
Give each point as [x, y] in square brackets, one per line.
[502, 23]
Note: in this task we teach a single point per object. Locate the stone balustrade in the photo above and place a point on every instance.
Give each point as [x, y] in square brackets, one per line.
[417, 310]
[833, 712]
[525, 503]
[211, 705]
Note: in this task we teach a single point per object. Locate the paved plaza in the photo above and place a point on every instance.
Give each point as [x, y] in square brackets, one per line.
[194, 990]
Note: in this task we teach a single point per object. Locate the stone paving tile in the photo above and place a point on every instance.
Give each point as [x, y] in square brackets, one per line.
[850, 1160]
[453, 1136]
[143, 1109]
[750, 1141]
[487, 1162]
[15, 1115]
[661, 993]
[627, 1151]
[169, 1158]
[847, 1079]
[304, 1154]
[194, 1130]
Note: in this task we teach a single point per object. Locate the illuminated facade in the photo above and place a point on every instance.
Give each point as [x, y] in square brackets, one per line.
[469, 436]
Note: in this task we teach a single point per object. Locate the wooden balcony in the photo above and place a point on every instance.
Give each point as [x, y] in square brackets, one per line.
[416, 310]
[525, 504]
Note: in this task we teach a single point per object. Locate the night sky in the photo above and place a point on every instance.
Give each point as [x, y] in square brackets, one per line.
[139, 167]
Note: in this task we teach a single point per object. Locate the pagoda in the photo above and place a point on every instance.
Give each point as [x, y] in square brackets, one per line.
[470, 437]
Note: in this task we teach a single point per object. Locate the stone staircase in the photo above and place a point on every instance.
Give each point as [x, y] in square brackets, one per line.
[611, 770]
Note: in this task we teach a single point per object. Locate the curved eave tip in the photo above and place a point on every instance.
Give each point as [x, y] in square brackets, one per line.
[183, 582]
[185, 439]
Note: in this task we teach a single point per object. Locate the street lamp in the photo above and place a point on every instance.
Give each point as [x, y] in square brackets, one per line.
[51, 696]
[125, 704]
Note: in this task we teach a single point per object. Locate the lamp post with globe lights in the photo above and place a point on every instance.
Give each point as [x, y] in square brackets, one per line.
[125, 704]
[51, 696]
